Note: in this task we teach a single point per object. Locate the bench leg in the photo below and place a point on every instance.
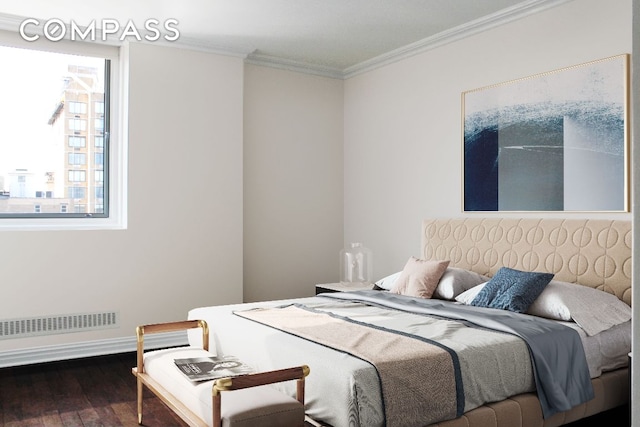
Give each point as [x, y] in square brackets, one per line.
[217, 403]
[140, 386]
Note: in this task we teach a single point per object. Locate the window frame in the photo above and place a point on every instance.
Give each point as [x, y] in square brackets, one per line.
[114, 137]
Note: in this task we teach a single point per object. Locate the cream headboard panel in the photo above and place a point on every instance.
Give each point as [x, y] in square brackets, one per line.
[594, 253]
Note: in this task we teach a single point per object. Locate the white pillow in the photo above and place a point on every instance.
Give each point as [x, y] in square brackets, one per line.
[455, 280]
[467, 296]
[387, 282]
[550, 304]
[593, 310]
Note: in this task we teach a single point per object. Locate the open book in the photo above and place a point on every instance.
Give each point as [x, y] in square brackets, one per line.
[210, 368]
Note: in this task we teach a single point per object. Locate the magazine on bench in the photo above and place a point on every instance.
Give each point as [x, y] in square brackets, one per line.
[210, 368]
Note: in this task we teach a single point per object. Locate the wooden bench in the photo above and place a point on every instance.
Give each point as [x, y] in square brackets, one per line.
[248, 399]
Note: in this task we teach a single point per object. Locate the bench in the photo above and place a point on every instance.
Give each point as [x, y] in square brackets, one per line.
[249, 400]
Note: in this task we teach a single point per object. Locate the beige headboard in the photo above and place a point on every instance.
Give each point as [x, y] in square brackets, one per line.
[594, 253]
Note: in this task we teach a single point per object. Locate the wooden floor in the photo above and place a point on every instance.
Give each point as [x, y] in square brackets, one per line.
[101, 392]
[98, 391]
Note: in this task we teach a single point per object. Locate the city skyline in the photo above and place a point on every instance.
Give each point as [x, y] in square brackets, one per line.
[51, 141]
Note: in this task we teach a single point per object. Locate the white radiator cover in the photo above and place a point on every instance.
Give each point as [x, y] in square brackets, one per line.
[58, 324]
[68, 323]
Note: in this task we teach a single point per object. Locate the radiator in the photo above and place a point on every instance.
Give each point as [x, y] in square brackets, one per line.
[57, 324]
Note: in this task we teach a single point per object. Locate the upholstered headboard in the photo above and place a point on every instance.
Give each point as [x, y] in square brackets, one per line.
[588, 252]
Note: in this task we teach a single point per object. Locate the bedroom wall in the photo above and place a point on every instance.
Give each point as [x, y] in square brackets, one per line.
[183, 244]
[293, 180]
[403, 149]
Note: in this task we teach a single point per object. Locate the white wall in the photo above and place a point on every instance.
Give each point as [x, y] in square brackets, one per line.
[403, 146]
[292, 182]
[207, 213]
[183, 244]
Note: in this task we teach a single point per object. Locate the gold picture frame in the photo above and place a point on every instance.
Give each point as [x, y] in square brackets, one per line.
[555, 141]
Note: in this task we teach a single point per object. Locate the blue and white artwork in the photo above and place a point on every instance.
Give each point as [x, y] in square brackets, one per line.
[551, 142]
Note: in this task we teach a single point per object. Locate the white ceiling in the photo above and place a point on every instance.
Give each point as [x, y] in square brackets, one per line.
[330, 36]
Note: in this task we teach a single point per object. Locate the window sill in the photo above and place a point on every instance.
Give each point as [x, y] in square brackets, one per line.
[61, 224]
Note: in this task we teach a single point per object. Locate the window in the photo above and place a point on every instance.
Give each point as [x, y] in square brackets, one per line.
[77, 107]
[77, 176]
[77, 141]
[77, 125]
[76, 192]
[59, 120]
[77, 158]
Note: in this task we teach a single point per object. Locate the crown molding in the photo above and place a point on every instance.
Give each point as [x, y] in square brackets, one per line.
[291, 65]
[521, 10]
[488, 22]
[12, 23]
[202, 46]
[471, 28]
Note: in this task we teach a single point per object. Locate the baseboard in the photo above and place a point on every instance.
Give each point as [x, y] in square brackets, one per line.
[54, 353]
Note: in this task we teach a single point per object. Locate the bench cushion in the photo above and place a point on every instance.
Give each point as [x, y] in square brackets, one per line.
[262, 406]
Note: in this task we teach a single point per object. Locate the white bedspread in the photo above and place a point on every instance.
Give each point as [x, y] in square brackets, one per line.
[344, 391]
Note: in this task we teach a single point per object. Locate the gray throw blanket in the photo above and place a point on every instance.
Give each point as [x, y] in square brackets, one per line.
[560, 366]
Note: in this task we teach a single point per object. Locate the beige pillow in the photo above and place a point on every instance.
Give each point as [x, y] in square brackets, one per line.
[419, 278]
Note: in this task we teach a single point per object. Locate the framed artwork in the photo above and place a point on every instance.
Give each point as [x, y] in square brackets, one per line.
[556, 141]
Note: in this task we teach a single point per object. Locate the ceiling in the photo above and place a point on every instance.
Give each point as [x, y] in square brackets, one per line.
[328, 36]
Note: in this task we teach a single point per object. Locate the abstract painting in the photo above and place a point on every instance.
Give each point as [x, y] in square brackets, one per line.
[556, 141]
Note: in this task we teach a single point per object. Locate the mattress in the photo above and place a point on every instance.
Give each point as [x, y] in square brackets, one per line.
[343, 390]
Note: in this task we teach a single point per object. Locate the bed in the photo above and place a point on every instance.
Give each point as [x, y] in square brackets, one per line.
[479, 374]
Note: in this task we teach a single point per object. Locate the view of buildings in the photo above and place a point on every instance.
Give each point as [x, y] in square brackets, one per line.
[73, 181]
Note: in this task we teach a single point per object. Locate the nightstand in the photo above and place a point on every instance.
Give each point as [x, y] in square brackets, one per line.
[341, 287]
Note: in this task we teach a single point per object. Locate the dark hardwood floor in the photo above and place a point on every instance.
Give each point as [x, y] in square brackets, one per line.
[101, 392]
[98, 391]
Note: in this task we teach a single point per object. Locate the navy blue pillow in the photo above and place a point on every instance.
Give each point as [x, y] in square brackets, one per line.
[512, 290]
